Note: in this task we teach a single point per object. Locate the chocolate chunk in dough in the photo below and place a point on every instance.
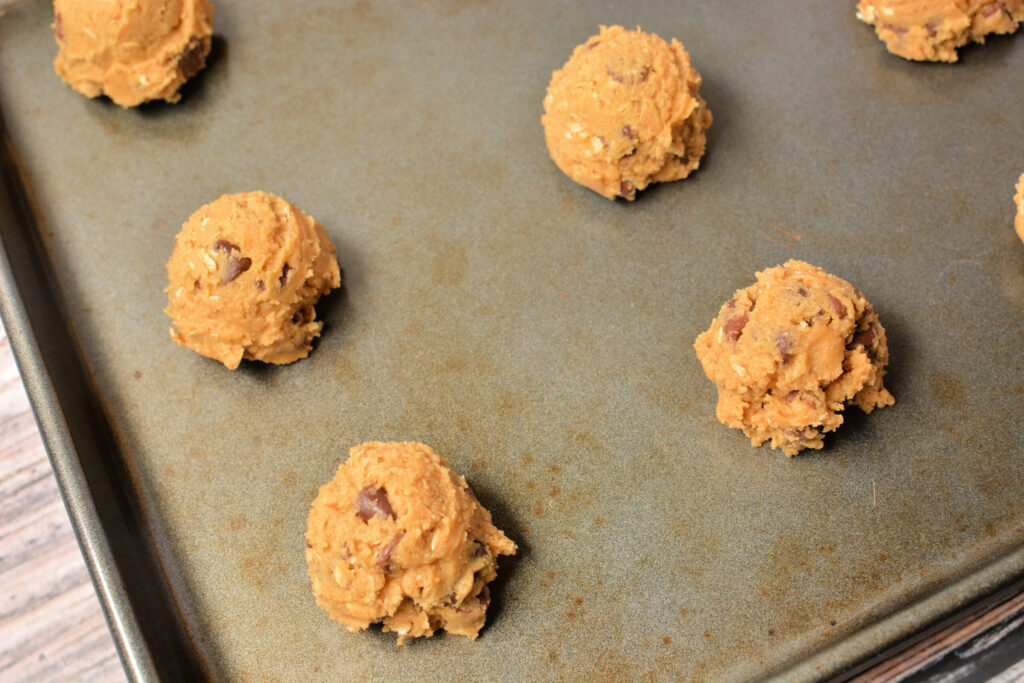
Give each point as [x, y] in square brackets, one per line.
[132, 51]
[398, 537]
[624, 112]
[790, 352]
[223, 257]
[932, 30]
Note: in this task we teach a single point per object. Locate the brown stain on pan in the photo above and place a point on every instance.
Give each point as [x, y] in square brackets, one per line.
[794, 607]
[261, 566]
[948, 390]
[450, 265]
[665, 387]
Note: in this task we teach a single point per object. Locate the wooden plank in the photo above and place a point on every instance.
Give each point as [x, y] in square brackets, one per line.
[51, 624]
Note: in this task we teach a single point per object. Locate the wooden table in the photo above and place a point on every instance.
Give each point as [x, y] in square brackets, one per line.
[52, 627]
[51, 624]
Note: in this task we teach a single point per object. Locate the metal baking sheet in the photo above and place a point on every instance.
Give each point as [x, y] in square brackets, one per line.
[533, 332]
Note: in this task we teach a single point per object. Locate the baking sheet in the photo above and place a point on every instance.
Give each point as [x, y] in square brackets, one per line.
[540, 336]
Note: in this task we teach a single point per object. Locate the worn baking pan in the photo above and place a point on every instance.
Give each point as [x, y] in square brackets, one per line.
[536, 334]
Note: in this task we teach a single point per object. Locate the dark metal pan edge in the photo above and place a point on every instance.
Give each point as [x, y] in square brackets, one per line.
[894, 631]
[141, 612]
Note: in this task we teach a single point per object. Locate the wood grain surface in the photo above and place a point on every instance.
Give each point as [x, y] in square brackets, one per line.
[51, 625]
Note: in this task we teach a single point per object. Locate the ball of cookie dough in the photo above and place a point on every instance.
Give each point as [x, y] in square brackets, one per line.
[398, 537]
[132, 51]
[932, 30]
[245, 273]
[625, 112]
[1018, 222]
[790, 352]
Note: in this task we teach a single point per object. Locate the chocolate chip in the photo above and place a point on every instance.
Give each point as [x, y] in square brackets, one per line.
[260, 286]
[192, 59]
[303, 315]
[865, 337]
[627, 189]
[58, 27]
[791, 396]
[225, 246]
[802, 292]
[594, 44]
[733, 327]
[284, 274]
[373, 501]
[629, 79]
[235, 267]
[628, 133]
[785, 344]
[837, 305]
[480, 550]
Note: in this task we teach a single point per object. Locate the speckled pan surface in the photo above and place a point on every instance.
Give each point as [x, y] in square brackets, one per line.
[540, 336]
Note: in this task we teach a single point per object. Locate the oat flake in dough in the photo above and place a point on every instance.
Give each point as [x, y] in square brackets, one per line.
[132, 51]
[244, 276]
[790, 352]
[398, 537]
[624, 112]
[932, 30]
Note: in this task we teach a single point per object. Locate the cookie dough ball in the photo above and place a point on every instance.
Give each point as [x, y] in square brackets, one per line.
[398, 537]
[246, 271]
[790, 352]
[625, 112]
[1019, 221]
[132, 51]
[932, 30]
